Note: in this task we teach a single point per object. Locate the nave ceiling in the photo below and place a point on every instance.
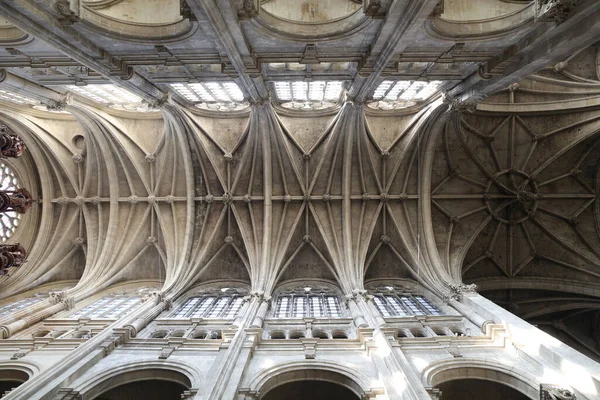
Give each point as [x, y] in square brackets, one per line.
[492, 186]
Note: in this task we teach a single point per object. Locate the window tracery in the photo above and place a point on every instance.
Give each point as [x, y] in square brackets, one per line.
[9, 220]
[306, 96]
[223, 304]
[392, 301]
[108, 307]
[391, 95]
[308, 301]
[215, 96]
[19, 305]
[111, 95]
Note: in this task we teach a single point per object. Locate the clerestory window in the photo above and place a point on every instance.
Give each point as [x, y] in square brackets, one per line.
[306, 96]
[393, 95]
[391, 304]
[109, 307]
[19, 305]
[210, 306]
[214, 96]
[307, 302]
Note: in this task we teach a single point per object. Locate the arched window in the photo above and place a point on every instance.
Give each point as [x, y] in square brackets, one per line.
[223, 304]
[395, 302]
[308, 301]
[9, 220]
[20, 304]
[108, 307]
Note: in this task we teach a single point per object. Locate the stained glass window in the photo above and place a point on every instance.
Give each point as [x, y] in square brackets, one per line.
[9, 220]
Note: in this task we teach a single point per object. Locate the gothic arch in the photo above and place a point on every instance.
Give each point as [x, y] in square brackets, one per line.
[471, 368]
[327, 371]
[167, 370]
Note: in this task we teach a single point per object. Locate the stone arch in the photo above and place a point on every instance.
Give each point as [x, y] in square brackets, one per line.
[18, 370]
[466, 368]
[326, 371]
[165, 370]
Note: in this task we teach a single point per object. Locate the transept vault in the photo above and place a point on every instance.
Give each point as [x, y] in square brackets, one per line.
[387, 199]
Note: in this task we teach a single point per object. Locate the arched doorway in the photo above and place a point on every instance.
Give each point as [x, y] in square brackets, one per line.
[10, 379]
[310, 389]
[476, 389]
[153, 389]
[139, 383]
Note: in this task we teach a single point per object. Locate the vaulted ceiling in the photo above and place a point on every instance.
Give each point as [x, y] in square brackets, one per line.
[495, 184]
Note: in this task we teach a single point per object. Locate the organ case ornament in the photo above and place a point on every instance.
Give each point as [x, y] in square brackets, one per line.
[10, 144]
[11, 255]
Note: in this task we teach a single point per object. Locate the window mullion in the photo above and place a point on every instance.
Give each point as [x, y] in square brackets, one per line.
[419, 305]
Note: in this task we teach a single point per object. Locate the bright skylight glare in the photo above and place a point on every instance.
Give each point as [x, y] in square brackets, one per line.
[107, 94]
[216, 96]
[312, 95]
[391, 95]
[17, 98]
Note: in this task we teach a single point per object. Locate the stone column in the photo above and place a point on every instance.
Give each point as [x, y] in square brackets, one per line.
[375, 312]
[237, 322]
[60, 302]
[454, 300]
[259, 318]
[76, 363]
[232, 360]
[141, 322]
[355, 312]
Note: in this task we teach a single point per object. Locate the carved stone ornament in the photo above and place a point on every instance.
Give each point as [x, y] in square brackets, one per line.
[54, 105]
[20, 354]
[458, 290]
[65, 15]
[18, 200]
[554, 10]
[556, 392]
[10, 144]
[11, 255]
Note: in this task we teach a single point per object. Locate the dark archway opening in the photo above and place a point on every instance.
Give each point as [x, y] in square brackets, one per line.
[314, 390]
[145, 390]
[477, 389]
[7, 386]
[11, 379]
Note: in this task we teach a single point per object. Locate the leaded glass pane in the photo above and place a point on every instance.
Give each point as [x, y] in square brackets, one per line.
[395, 306]
[380, 303]
[333, 306]
[299, 307]
[18, 305]
[202, 309]
[216, 311]
[431, 309]
[283, 307]
[412, 306]
[234, 307]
